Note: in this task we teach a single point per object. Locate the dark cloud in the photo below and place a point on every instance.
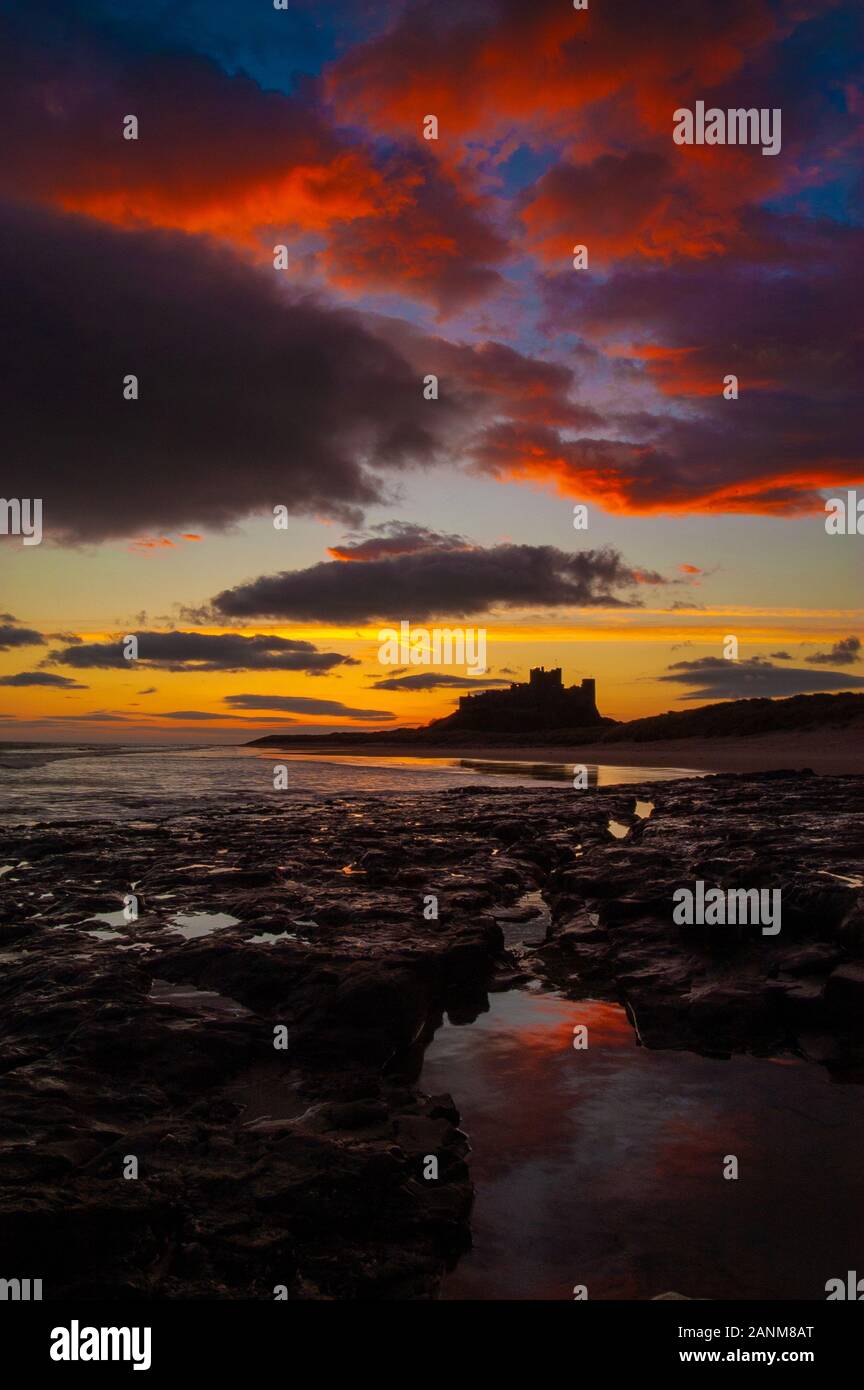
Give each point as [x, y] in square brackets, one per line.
[264, 400]
[302, 704]
[781, 656]
[318, 407]
[70, 142]
[491, 378]
[612, 200]
[395, 538]
[430, 680]
[150, 690]
[783, 311]
[719, 679]
[69, 638]
[390, 217]
[11, 635]
[95, 717]
[433, 244]
[437, 584]
[846, 652]
[42, 678]
[198, 714]
[203, 651]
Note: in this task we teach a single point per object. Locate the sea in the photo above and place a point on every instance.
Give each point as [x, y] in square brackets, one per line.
[62, 782]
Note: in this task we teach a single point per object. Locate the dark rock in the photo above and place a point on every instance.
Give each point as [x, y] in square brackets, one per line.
[304, 1166]
[844, 992]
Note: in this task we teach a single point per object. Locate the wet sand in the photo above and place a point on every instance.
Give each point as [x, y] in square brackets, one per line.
[830, 752]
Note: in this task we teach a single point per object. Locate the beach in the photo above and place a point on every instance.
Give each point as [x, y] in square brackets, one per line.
[827, 751]
[248, 1051]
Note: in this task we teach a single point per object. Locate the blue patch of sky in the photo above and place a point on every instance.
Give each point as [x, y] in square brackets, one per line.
[824, 49]
[277, 48]
[837, 201]
[524, 167]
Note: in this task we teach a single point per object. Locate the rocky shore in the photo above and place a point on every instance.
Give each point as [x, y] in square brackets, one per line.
[723, 988]
[250, 1042]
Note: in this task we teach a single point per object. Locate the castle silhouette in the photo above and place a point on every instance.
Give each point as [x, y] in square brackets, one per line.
[543, 703]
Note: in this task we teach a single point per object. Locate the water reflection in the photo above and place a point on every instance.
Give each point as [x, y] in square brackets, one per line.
[604, 1166]
[175, 780]
[598, 774]
[195, 924]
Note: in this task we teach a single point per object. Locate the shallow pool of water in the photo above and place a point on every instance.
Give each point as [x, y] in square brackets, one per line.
[604, 1166]
[189, 997]
[195, 924]
[112, 919]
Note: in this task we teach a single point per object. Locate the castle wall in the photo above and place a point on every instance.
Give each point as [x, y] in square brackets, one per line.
[543, 702]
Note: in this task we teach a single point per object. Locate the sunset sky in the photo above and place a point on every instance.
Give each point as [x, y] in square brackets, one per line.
[303, 387]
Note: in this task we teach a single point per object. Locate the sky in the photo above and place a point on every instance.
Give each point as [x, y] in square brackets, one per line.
[307, 350]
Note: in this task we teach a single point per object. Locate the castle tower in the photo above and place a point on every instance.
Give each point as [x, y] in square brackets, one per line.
[540, 703]
[541, 680]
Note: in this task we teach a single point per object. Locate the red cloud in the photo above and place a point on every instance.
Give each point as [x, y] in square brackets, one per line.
[695, 470]
[216, 154]
[698, 279]
[543, 64]
[595, 82]
[617, 206]
[148, 543]
[694, 371]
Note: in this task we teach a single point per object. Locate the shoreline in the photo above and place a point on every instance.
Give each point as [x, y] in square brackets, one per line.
[828, 752]
[256, 1034]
